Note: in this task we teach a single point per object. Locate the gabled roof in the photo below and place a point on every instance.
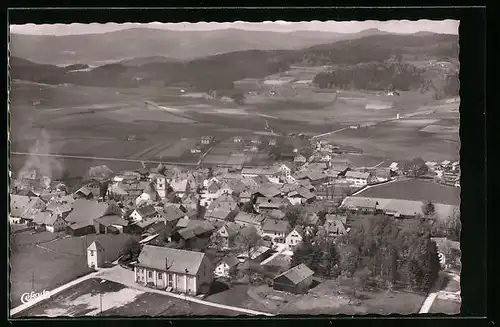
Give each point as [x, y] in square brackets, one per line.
[331, 218]
[268, 191]
[230, 260]
[357, 174]
[47, 196]
[218, 213]
[297, 274]
[248, 218]
[96, 246]
[275, 225]
[179, 185]
[232, 228]
[84, 190]
[85, 211]
[171, 212]
[111, 220]
[168, 259]
[42, 217]
[146, 211]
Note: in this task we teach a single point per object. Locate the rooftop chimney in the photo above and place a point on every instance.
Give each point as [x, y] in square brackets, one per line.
[166, 263]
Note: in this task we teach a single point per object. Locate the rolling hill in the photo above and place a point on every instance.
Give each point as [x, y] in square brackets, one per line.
[220, 71]
[142, 42]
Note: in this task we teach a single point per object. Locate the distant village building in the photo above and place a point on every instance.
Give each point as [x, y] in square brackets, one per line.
[358, 178]
[206, 140]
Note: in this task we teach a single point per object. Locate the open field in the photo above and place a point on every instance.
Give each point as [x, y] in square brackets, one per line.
[416, 190]
[64, 114]
[55, 262]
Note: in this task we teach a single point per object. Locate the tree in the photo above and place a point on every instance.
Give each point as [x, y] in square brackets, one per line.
[132, 248]
[454, 227]
[218, 242]
[295, 214]
[247, 207]
[428, 209]
[246, 241]
[361, 277]
[415, 168]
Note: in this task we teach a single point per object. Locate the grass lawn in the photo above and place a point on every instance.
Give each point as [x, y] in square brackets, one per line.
[35, 268]
[237, 296]
[445, 306]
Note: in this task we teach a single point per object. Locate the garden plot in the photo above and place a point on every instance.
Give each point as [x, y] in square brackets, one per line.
[177, 149]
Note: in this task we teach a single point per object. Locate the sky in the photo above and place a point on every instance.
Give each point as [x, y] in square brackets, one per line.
[392, 26]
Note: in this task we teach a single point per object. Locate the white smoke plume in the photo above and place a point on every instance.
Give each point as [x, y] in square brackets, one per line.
[42, 165]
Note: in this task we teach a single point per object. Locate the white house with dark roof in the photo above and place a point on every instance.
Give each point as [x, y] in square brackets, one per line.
[224, 266]
[174, 270]
[247, 219]
[275, 229]
[51, 222]
[358, 178]
[144, 213]
[294, 238]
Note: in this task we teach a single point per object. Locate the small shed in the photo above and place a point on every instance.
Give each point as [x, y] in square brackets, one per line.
[296, 280]
[96, 255]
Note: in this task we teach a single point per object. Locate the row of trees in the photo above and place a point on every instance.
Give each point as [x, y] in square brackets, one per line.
[377, 248]
[372, 76]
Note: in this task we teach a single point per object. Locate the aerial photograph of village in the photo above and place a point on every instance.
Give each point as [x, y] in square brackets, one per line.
[234, 169]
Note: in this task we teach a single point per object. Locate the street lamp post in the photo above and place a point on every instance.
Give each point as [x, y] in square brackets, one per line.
[100, 294]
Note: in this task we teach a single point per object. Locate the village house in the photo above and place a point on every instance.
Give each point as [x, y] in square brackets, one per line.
[159, 184]
[96, 255]
[381, 175]
[174, 270]
[143, 213]
[237, 139]
[286, 169]
[218, 214]
[296, 280]
[246, 219]
[81, 218]
[228, 232]
[299, 159]
[49, 221]
[301, 196]
[335, 225]
[263, 205]
[358, 178]
[225, 266]
[272, 142]
[180, 187]
[275, 230]
[196, 235]
[195, 150]
[24, 208]
[206, 140]
[84, 193]
[171, 214]
[268, 191]
[113, 224]
[271, 173]
[256, 140]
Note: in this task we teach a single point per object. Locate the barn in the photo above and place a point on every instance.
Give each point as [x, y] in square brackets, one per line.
[296, 280]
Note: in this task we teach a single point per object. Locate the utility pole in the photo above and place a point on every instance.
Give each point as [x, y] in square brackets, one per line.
[33, 281]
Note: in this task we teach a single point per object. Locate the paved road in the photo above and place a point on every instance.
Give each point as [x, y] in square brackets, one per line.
[101, 158]
[280, 249]
[426, 306]
[116, 274]
[126, 277]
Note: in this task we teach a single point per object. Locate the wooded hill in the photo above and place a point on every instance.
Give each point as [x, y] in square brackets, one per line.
[220, 71]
